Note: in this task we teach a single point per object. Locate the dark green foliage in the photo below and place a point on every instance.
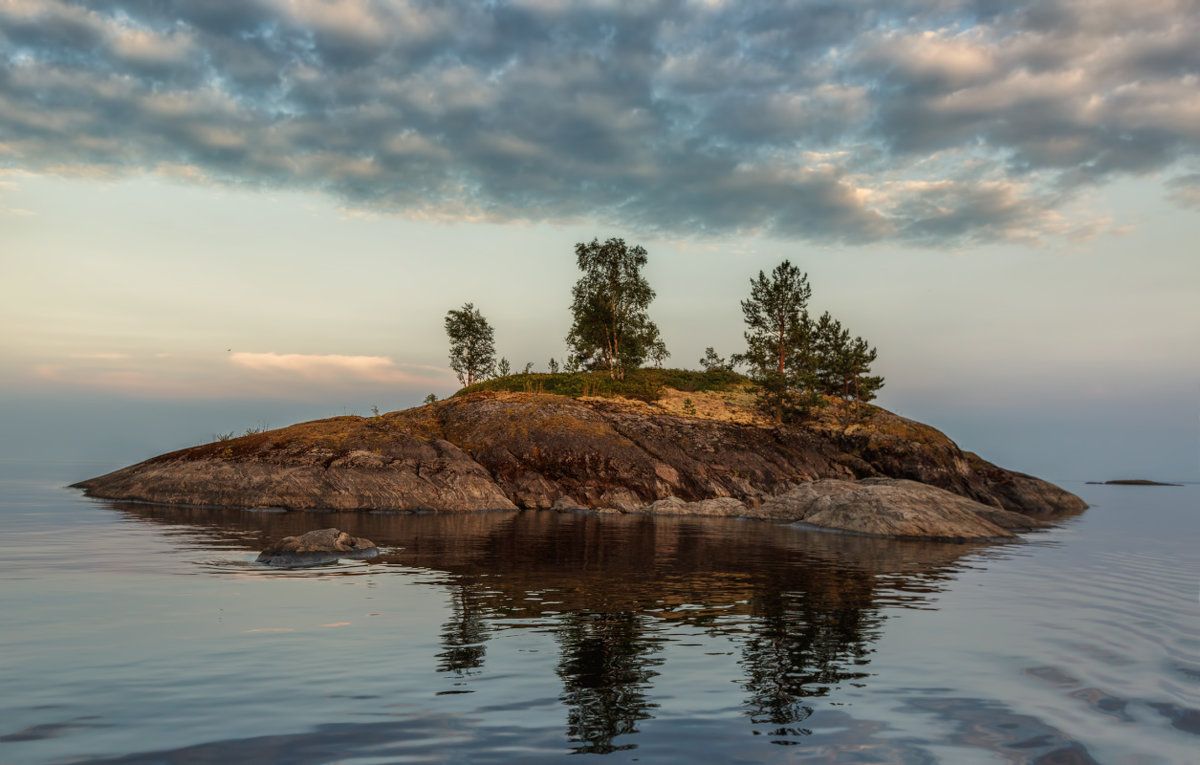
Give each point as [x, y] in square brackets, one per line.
[843, 365]
[793, 360]
[472, 346]
[431, 398]
[552, 367]
[503, 369]
[778, 341]
[610, 329]
[643, 384]
[712, 362]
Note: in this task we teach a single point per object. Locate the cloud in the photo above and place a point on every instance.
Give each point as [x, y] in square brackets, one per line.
[938, 124]
[237, 374]
[335, 367]
[1185, 190]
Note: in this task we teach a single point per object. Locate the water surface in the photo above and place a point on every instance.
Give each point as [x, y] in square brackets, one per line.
[141, 634]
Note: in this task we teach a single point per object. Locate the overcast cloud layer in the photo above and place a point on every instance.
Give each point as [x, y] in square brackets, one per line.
[943, 123]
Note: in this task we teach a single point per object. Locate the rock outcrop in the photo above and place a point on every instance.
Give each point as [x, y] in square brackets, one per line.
[317, 547]
[506, 451]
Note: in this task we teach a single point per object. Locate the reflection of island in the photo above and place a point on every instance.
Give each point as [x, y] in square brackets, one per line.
[803, 607]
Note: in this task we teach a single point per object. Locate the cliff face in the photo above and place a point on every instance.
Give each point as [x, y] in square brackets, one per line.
[502, 451]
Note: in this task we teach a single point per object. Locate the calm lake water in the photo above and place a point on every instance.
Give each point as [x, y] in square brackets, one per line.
[142, 634]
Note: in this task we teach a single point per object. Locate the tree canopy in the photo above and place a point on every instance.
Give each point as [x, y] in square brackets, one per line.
[472, 346]
[778, 339]
[843, 365]
[793, 359]
[610, 328]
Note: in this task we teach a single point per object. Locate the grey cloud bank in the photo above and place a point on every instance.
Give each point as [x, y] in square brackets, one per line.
[940, 123]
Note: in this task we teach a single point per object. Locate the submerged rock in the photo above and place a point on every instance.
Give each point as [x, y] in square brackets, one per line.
[316, 547]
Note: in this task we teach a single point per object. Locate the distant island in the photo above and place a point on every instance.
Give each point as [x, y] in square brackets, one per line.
[659, 442]
[1132, 482]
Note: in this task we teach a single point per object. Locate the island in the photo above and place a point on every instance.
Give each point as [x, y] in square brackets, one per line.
[1132, 482]
[848, 467]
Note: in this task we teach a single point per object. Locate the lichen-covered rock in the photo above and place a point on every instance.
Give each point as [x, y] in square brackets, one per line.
[316, 547]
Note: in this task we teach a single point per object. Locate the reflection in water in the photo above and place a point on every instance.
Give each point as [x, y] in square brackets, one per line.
[802, 608]
[464, 633]
[799, 649]
[606, 670]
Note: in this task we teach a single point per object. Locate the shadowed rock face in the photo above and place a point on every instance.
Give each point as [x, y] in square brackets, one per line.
[491, 451]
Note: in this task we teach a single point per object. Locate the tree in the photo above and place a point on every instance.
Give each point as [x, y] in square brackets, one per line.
[472, 347]
[610, 329]
[552, 366]
[714, 363]
[778, 340]
[503, 369]
[843, 365]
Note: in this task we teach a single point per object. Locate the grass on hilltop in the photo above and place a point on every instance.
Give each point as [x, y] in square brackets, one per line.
[643, 384]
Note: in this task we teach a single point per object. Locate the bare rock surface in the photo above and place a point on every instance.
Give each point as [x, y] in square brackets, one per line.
[316, 547]
[508, 451]
[889, 507]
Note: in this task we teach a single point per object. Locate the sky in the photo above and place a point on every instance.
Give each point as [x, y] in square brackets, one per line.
[243, 213]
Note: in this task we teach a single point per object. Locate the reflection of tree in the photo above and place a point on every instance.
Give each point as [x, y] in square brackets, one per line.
[463, 635]
[800, 648]
[605, 666]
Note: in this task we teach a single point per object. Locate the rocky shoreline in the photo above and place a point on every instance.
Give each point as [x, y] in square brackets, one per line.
[880, 475]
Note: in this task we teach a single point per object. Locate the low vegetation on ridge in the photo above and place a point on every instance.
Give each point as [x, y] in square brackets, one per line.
[643, 384]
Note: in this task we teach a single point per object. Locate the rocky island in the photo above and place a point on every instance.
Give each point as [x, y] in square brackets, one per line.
[695, 453]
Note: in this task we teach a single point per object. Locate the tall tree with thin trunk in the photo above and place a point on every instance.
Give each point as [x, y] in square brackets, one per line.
[472, 346]
[610, 328]
[778, 338]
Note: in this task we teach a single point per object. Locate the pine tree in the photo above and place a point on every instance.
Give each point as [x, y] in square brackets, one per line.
[843, 364]
[778, 340]
[714, 363]
[472, 346]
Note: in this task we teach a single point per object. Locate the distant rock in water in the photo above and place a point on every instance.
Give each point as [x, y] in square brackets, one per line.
[508, 451]
[1133, 482]
[316, 547]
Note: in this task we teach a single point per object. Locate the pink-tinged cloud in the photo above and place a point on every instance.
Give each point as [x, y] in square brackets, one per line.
[338, 367]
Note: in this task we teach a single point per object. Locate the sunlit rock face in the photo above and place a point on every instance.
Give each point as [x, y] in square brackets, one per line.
[508, 451]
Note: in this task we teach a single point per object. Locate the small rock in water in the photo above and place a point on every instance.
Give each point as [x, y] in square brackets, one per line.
[316, 547]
